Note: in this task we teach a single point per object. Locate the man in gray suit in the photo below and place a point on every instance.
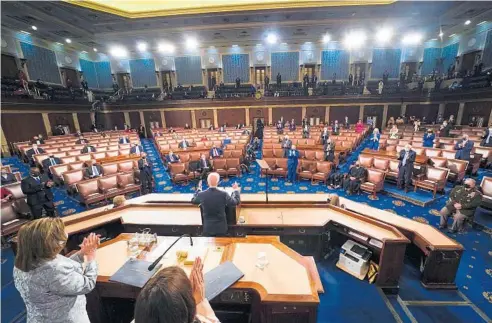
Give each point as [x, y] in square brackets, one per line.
[213, 203]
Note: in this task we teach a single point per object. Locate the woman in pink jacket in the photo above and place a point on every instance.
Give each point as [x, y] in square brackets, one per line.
[359, 126]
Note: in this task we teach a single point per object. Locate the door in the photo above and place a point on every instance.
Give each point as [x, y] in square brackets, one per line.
[167, 83]
[212, 76]
[359, 72]
[310, 70]
[69, 73]
[9, 66]
[205, 123]
[468, 62]
[260, 73]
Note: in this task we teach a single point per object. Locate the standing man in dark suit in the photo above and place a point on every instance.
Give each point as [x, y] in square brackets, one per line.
[93, 170]
[141, 131]
[405, 167]
[88, 149]
[34, 151]
[238, 82]
[329, 149]
[325, 135]
[216, 152]
[335, 129]
[124, 140]
[487, 137]
[82, 141]
[50, 161]
[444, 129]
[146, 178]
[136, 149]
[267, 82]
[37, 188]
[286, 145]
[463, 148]
[213, 203]
[279, 79]
[7, 178]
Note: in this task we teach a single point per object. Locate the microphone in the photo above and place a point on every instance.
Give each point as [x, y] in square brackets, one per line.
[154, 264]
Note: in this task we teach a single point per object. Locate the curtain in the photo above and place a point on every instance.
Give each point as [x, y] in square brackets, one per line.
[385, 59]
[234, 66]
[431, 56]
[335, 61]
[103, 72]
[287, 64]
[142, 72]
[188, 70]
[41, 63]
[89, 70]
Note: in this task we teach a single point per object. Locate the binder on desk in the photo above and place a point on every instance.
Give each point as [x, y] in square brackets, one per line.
[221, 278]
[134, 273]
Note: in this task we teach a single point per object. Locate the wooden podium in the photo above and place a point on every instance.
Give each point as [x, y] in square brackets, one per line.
[264, 166]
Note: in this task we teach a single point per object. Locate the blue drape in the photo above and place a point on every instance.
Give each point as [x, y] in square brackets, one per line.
[89, 70]
[41, 63]
[431, 55]
[103, 72]
[385, 59]
[487, 50]
[335, 61]
[448, 55]
[287, 64]
[142, 72]
[188, 70]
[235, 65]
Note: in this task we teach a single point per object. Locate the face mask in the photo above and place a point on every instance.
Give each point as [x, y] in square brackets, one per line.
[35, 173]
[407, 149]
[357, 166]
[467, 186]
[464, 138]
[144, 157]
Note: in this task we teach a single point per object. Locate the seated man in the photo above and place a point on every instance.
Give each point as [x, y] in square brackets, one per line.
[7, 178]
[292, 125]
[463, 201]
[216, 152]
[222, 129]
[183, 144]
[88, 149]
[93, 170]
[226, 141]
[329, 149]
[187, 126]
[136, 149]
[204, 166]
[50, 161]
[34, 151]
[124, 140]
[36, 140]
[172, 158]
[463, 148]
[280, 128]
[355, 176]
[82, 141]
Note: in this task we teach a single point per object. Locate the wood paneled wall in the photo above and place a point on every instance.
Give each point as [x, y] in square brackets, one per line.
[231, 116]
[451, 109]
[61, 119]
[113, 119]
[22, 126]
[339, 113]
[429, 111]
[393, 111]
[85, 121]
[316, 112]
[374, 111]
[151, 116]
[476, 109]
[259, 113]
[177, 118]
[203, 114]
[288, 114]
[134, 119]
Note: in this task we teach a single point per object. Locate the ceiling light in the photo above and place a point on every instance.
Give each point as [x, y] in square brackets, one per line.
[25, 32]
[166, 48]
[191, 43]
[452, 35]
[326, 38]
[94, 49]
[467, 22]
[142, 47]
[441, 34]
[34, 28]
[412, 39]
[271, 38]
[481, 23]
[284, 44]
[355, 39]
[118, 52]
[68, 40]
[384, 35]
[234, 45]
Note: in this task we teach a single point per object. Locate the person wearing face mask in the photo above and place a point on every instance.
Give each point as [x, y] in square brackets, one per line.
[329, 149]
[355, 176]
[37, 188]
[50, 161]
[35, 150]
[374, 139]
[462, 203]
[305, 130]
[183, 144]
[429, 139]
[405, 167]
[136, 149]
[444, 129]
[93, 170]
[463, 148]
[82, 141]
[325, 135]
[7, 178]
[88, 149]
[292, 125]
[146, 178]
[335, 129]
[292, 161]
[204, 166]
[37, 140]
[393, 133]
[172, 158]
[487, 137]
[286, 145]
[216, 152]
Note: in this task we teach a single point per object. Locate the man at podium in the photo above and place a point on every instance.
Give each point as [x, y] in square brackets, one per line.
[213, 203]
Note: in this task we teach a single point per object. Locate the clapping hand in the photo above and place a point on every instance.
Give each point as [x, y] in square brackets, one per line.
[235, 186]
[457, 206]
[89, 246]
[197, 281]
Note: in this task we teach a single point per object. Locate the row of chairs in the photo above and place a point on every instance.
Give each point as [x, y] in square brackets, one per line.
[195, 156]
[73, 158]
[14, 213]
[225, 167]
[106, 187]
[306, 169]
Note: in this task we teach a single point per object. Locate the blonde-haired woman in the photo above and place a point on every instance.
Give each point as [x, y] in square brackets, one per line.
[394, 132]
[374, 139]
[51, 285]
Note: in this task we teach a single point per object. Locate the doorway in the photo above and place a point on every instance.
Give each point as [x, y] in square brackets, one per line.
[124, 81]
[310, 70]
[167, 83]
[358, 71]
[9, 66]
[212, 76]
[68, 73]
[205, 123]
[260, 73]
[468, 62]
[255, 120]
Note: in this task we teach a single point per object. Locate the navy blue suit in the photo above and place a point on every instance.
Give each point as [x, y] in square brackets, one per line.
[429, 140]
[133, 150]
[463, 150]
[292, 161]
[216, 152]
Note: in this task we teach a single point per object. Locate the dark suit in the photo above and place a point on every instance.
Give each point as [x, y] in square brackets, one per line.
[183, 144]
[50, 162]
[405, 170]
[124, 141]
[329, 149]
[30, 153]
[145, 167]
[213, 203]
[39, 196]
[89, 173]
[133, 150]
[325, 136]
[38, 142]
[336, 129]
[353, 186]
[286, 145]
[444, 132]
[487, 139]
[82, 142]
[8, 179]
[172, 159]
[88, 149]
[216, 152]
[463, 152]
[204, 167]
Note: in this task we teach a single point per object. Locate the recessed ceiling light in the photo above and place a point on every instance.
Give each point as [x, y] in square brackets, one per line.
[68, 40]
[191, 43]
[384, 35]
[412, 39]
[142, 47]
[326, 38]
[355, 39]
[94, 49]
[34, 28]
[441, 34]
[166, 48]
[272, 38]
[452, 35]
[118, 51]
[467, 22]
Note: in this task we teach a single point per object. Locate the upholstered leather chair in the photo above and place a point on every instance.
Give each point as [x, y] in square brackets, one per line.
[10, 220]
[366, 161]
[125, 166]
[278, 152]
[194, 156]
[380, 164]
[486, 186]
[108, 185]
[68, 159]
[84, 157]
[457, 169]
[184, 157]
[280, 168]
[439, 162]
[236, 153]
[89, 192]
[126, 183]
[76, 165]
[109, 169]
[71, 177]
[434, 180]
[419, 151]
[432, 152]
[98, 155]
[112, 153]
[272, 162]
[310, 155]
[393, 170]
[320, 155]
[57, 172]
[391, 148]
[73, 153]
[392, 142]
[177, 172]
[220, 166]
[447, 146]
[449, 154]
[227, 153]
[374, 182]
[323, 170]
[486, 153]
[306, 169]
[124, 152]
[232, 165]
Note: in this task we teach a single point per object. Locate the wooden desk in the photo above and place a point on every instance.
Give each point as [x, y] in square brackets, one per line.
[419, 159]
[107, 160]
[271, 294]
[442, 254]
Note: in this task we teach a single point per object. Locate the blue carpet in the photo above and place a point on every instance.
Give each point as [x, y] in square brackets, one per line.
[346, 299]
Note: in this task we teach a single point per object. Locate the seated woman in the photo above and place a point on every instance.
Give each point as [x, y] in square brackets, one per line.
[374, 140]
[393, 134]
[51, 285]
[170, 297]
[428, 140]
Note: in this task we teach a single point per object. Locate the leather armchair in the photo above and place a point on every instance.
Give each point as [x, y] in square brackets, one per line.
[393, 170]
[57, 172]
[126, 183]
[125, 166]
[310, 155]
[109, 169]
[486, 186]
[381, 164]
[10, 220]
[108, 185]
[365, 161]
[89, 191]
[220, 166]
[439, 161]
[320, 155]
[184, 157]
[267, 153]
[72, 177]
[278, 152]
[272, 162]
[280, 167]
[431, 152]
[434, 179]
[449, 154]
[323, 170]
[76, 165]
[374, 182]
[233, 167]
[177, 172]
[306, 169]
[457, 169]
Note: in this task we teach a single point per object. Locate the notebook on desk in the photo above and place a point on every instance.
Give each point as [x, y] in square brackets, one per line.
[134, 273]
[221, 278]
